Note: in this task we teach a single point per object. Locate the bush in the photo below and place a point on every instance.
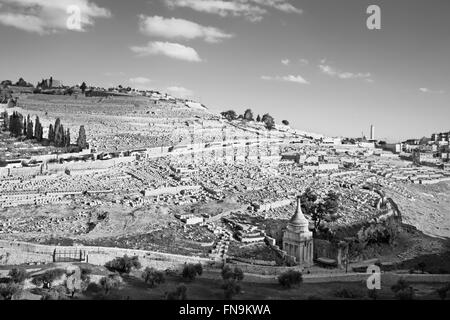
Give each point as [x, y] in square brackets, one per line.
[442, 292]
[46, 279]
[372, 294]
[123, 264]
[18, 275]
[229, 274]
[109, 283]
[345, 293]
[178, 294]
[231, 288]
[153, 276]
[57, 293]
[190, 271]
[9, 290]
[290, 278]
[402, 290]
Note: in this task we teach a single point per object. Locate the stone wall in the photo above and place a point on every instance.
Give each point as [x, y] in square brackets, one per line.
[14, 252]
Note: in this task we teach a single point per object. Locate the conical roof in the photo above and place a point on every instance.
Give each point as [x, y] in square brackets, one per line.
[298, 219]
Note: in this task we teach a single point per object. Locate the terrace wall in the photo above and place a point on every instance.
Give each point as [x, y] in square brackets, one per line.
[14, 252]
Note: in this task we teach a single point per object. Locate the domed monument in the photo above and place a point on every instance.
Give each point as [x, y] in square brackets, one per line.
[297, 239]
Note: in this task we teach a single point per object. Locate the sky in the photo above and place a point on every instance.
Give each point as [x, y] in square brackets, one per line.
[314, 63]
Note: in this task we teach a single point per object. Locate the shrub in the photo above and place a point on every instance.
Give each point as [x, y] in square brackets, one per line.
[345, 293]
[46, 279]
[372, 294]
[402, 290]
[153, 276]
[190, 271]
[231, 288]
[228, 273]
[109, 283]
[442, 292]
[178, 294]
[57, 293]
[123, 264]
[18, 275]
[290, 278]
[9, 290]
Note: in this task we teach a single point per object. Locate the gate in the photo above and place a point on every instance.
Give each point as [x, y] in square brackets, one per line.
[67, 255]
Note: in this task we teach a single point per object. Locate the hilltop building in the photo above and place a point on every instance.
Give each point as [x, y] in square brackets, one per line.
[297, 239]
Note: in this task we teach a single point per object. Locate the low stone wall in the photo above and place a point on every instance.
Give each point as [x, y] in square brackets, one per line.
[14, 252]
[263, 270]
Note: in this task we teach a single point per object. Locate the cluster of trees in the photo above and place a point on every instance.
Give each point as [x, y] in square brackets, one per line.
[123, 264]
[57, 134]
[45, 84]
[231, 281]
[19, 126]
[320, 211]
[267, 119]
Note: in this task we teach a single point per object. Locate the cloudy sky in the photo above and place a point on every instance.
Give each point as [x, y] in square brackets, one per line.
[312, 62]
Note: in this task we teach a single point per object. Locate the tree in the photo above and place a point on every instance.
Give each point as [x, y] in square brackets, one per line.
[268, 121]
[18, 275]
[9, 290]
[51, 133]
[153, 277]
[190, 271]
[258, 118]
[38, 132]
[320, 211]
[180, 293]
[248, 115]
[421, 266]
[46, 279]
[16, 124]
[29, 133]
[67, 138]
[123, 264]
[81, 141]
[290, 278]
[229, 115]
[442, 292]
[231, 288]
[109, 283]
[83, 87]
[285, 122]
[402, 290]
[228, 273]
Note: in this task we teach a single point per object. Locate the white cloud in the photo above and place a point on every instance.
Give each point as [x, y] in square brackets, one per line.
[173, 28]
[141, 83]
[169, 49]
[289, 78]
[180, 92]
[285, 62]
[304, 62]
[44, 17]
[426, 90]
[330, 71]
[253, 10]
[114, 73]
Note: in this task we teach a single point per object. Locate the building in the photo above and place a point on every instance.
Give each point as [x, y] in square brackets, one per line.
[297, 239]
[372, 133]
